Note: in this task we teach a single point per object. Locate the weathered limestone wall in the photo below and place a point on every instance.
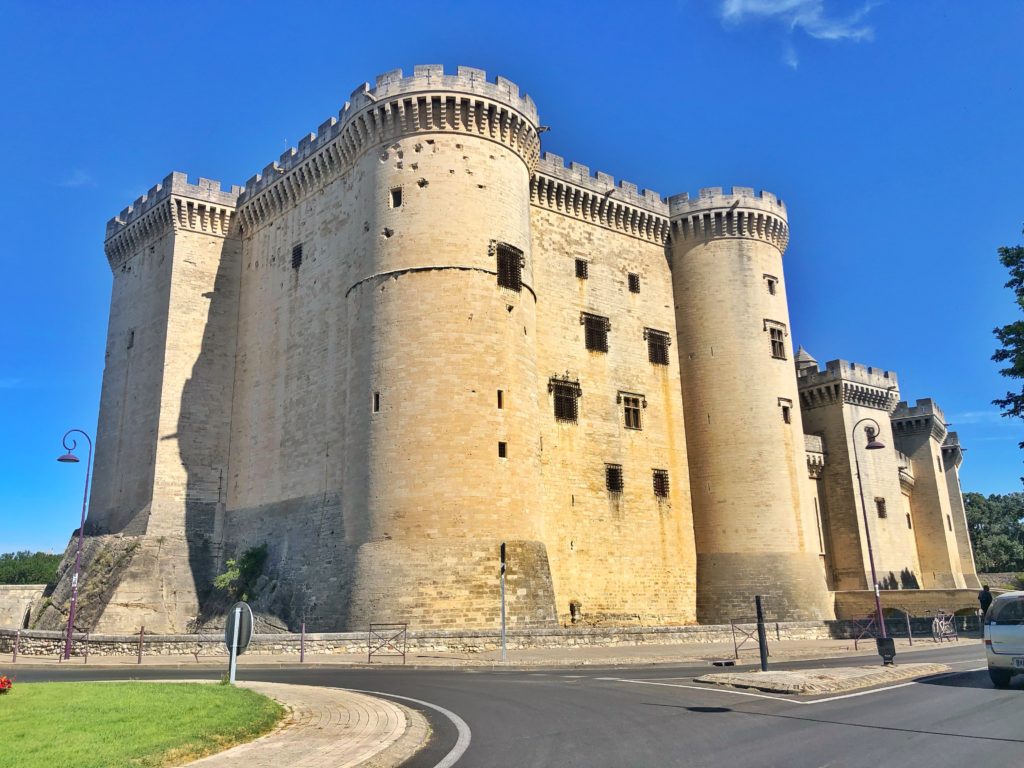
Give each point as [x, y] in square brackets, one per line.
[624, 557]
[16, 601]
[753, 523]
[919, 602]
[920, 431]
[834, 400]
[952, 458]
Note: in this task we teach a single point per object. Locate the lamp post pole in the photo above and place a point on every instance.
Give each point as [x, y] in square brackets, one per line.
[872, 445]
[70, 458]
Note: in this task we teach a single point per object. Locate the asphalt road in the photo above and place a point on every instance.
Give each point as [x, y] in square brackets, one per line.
[648, 716]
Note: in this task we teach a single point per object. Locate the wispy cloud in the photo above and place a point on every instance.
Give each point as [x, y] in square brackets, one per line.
[808, 16]
[78, 178]
[981, 417]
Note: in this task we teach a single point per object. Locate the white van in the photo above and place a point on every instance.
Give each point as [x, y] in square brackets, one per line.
[1004, 638]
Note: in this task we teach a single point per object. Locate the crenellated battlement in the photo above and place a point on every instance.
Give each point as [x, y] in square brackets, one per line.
[923, 408]
[842, 381]
[175, 203]
[427, 101]
[924, 416]
[597, 199]
[740, 213]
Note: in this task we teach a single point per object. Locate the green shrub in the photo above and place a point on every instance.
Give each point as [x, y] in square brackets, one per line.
[241, 574]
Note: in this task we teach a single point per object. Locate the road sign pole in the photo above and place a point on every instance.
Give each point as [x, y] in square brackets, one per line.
[504, 650]
[234, 644]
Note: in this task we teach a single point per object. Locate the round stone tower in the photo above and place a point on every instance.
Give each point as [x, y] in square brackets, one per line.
[744, 434]
[442, 457]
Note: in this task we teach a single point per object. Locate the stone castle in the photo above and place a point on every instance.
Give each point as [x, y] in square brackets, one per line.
[415, 337]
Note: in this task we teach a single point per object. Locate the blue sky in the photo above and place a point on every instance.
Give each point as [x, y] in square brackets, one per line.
[892, 130]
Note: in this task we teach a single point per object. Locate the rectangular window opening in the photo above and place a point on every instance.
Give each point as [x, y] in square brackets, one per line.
[634, 282]
[582, 269]
[565, 394]
[376, 402]
[949, 522]
[502, 450]
[296, 256]
[772, 283]
[510, 267]
[396, 197]
[880, 507]
[910, 525]
[657, 346]
[631, 405]
[660, 477]
[595, 329]
[501, 399]
[613, 478]
[131, 338]
[777, 338]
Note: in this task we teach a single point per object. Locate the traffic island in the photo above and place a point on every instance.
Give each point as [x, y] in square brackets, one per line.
[816, 681]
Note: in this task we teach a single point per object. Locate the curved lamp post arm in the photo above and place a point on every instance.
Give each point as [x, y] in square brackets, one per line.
[871, 434]
[70, 457]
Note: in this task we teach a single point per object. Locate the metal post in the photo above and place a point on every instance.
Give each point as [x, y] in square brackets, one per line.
[302, 643]
[17, 642]
[910, 633]
[69, 457]
[86, 648]
[234, 644]
[867, 529]
[504, 650]
[142, 635]
[762, 636]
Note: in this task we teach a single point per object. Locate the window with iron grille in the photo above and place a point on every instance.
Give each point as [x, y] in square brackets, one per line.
[880, 507]
[631, 405]
[296, 256]
[582, 269]
[777, 338]
[660, 477]
[634, 282]
[595, 331]
[657, 346]
[565, 393]
[613, 477]
[510, 266]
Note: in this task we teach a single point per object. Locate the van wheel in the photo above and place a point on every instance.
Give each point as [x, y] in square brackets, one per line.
[1000, 677]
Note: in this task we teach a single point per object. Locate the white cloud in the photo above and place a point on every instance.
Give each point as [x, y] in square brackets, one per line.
[982, 417]
[807, 16]
[78, 178]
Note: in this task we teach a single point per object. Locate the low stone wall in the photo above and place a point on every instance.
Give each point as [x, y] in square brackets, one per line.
[15, 600]
[49, 643]
[918, 602]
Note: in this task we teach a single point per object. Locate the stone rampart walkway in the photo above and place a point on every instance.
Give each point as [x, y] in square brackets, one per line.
[328, 728]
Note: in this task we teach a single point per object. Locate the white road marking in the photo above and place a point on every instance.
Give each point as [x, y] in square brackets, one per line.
[465, 734]
[783, 698]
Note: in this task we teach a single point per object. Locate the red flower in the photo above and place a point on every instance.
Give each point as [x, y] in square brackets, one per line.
[5, 684]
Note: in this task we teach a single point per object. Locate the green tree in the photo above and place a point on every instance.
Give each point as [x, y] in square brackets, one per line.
[28, 568]
[241, 574]
[996, 526]
[1011, 336]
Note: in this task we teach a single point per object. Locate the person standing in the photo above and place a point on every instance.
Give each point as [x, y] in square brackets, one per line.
[985, 599]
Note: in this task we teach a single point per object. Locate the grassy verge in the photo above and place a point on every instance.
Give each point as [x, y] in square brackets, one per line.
[107, 725]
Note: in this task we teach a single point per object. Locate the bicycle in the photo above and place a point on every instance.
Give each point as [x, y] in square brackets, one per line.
[944, 627]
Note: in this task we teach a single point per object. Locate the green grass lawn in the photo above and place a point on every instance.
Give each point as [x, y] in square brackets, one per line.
[106, 725]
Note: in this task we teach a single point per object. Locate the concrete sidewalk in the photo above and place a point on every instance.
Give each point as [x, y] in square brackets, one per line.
[328, 728]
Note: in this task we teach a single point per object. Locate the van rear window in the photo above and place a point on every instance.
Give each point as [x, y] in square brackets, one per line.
[1009, 613]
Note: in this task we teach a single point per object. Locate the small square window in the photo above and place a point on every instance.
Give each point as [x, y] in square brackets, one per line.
[502, 450]
[772, 283]
[396, 197]
[657, 346]
[595, 330]
[376, 402]
[634, 282]
[565, 394]
[510, 267]
[296, 256]
[582, 269]
[613, 478]
[501, 399]
[880, 507]
[631, 405]
[660, 477]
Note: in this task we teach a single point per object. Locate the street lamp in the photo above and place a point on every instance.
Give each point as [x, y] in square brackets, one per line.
[70, 458]
[871, 432]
